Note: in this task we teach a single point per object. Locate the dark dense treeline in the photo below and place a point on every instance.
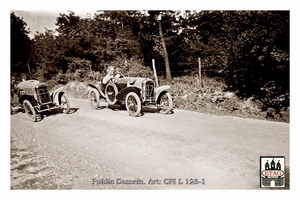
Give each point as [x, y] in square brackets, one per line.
[248, 49]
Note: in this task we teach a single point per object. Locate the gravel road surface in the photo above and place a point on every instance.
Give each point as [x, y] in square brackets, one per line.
[108, 149]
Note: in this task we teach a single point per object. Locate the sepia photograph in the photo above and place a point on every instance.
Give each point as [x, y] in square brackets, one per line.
[149, 99]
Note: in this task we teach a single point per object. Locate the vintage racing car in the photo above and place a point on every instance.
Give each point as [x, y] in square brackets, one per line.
[34, 98]
[134, 92]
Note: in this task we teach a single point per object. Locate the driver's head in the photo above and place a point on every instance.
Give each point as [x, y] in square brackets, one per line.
[110, 70]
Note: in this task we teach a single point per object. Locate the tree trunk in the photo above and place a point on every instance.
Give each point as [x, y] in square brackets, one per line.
[166, 57]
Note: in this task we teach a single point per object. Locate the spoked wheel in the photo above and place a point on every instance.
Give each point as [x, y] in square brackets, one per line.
[165, 103]
[64, 104]
[111, 91]
[29, 109]
[94, 99]
[133, 104]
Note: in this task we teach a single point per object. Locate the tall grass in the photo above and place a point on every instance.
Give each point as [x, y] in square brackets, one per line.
[212, 96]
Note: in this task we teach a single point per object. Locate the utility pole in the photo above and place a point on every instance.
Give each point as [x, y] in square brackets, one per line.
[200, 78]
[154, 71]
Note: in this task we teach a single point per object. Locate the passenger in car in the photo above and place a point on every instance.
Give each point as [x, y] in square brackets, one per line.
[118, 73]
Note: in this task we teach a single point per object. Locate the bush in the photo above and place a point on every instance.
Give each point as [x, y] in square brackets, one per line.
[77, 89]
[274, 100]
[132, 68]
[214, 98]
[61, 78]
[52, 84]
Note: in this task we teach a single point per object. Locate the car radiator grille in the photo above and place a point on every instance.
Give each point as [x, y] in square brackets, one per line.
[149, 91]
[44, 95]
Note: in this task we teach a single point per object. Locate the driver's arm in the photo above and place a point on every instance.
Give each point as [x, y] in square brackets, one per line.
[117, 76]
[106, 79]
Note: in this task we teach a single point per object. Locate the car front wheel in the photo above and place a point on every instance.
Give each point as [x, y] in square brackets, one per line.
[64, 104]
[29, 109]
[133, 104]
[94, 99]
[165, 103]
[111, 92]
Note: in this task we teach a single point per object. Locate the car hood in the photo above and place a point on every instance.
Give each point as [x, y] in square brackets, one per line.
[131, 79]
[127, 81]
[30, 84]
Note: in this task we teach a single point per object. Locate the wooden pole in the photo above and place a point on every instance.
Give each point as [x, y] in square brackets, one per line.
[200, 78]
[28, 68]
[154, 71]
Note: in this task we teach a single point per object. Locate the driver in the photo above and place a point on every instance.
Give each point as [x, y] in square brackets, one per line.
[113, 74]
[110, 74]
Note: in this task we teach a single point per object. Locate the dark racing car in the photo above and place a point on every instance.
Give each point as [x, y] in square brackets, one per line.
[34, 97]
[134, 92]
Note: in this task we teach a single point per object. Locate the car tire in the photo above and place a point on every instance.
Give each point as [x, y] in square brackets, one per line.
[64, 104]
[111, 92]
[94, 98]
[133, 104]
[29, 109]
[165, 103]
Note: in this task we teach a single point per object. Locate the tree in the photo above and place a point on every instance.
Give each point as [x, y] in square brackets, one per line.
[248, 49]
[157, 16]
[47, 55]
[20, 45]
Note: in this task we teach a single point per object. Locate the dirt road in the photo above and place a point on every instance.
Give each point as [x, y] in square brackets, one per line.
[108, 149]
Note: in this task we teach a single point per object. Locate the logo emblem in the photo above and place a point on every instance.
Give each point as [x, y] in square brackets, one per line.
[272, 171]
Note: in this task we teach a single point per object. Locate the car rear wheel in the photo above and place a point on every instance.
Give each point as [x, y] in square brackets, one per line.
[64, 104]
[29, 109]
[94, 99]
[165, 103]
[133, 104]
[111, 92]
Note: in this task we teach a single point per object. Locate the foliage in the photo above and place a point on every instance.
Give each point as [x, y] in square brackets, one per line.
[61, 79]
[248, 49]
[20, 45]
[273, 99]
[214, 98]
[132, 68]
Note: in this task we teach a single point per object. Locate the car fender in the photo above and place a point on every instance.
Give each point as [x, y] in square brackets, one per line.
[97, 87]
[56, 94]
[160, 91]
[29, 98]
[93, 86]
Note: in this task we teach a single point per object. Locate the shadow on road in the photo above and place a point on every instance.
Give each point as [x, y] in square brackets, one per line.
[17, 110]
[73, 110]
[42, 115]
[54, 112]
[145, 109]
